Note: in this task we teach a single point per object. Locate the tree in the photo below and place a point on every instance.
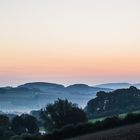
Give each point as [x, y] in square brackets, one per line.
[17, 125]
[30, 124]
[62, 113]
[4, 122]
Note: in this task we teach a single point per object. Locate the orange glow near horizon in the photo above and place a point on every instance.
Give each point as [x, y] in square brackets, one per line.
[80, 41]
[70, 61]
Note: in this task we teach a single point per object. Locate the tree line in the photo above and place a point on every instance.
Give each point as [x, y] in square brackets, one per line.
[52, 117]
[70, 131]
[17, 126]
[61, 119]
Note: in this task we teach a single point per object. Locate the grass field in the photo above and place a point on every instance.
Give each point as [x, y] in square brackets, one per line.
[130, 132]
[120, 115]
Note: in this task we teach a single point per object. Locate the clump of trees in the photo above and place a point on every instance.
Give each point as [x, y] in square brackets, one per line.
[54, 116]
[62, 113]
[19, 125]
[24, 124]
[113, 103]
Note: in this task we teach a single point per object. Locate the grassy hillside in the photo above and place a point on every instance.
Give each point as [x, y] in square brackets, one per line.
[120, 115]
[130, 132]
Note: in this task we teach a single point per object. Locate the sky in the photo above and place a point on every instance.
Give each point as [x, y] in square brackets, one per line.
[69, 41]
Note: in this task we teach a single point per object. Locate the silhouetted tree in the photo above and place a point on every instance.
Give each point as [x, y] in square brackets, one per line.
[30, 124]
[18, 125]
[4, 122]
[62, 113]
[131, 118]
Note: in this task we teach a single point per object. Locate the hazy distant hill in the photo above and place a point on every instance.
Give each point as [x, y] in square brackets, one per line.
[51, 87]
[18, 99]
[43, 86]
[85, 89]
[117, 85]
[115, 102]
[31, 96]
[137, 85]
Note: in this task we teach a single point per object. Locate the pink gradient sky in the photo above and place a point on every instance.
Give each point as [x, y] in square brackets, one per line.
[74, 41]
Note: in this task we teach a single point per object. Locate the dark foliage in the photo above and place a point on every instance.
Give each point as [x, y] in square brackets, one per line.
[25, 124]
[84, 128]
[67, 131]
[131, 118]
[4, 122]
[113, 103]
[62, 113]
[30, 123]
[17, 125]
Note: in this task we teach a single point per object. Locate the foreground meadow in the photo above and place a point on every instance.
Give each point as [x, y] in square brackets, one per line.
[130, 132]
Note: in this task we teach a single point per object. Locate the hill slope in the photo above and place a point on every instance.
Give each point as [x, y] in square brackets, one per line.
[130, 132]
[115, 102]
[31, 96]
[118, 85]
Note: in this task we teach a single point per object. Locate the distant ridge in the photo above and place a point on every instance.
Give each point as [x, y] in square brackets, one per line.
[32, 96]
[53, 86]
[35, 95]
[118, 85]
[43, 86]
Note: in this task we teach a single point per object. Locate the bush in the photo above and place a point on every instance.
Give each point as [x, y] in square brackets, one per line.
[111, 122]
[131, 118]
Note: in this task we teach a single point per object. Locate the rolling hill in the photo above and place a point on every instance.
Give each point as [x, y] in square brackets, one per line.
[114, 102]
[117, 85]
[130, 132]
[32, 96]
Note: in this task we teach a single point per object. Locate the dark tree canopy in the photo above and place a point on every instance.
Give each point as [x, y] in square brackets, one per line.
[17, 125]
[62, 113]
[25, 124]
[4, 122]
[113, 103]
[30, 124]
